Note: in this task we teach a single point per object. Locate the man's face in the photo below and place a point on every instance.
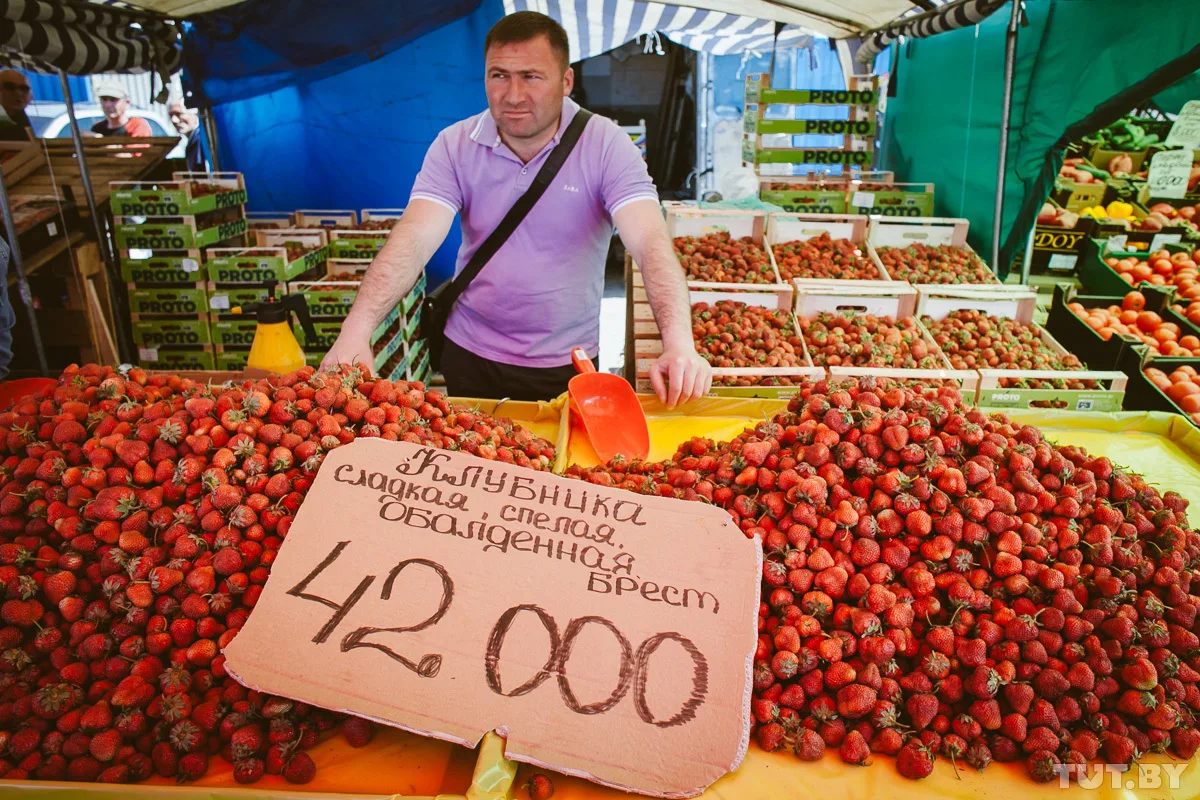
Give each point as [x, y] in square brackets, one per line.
[525, 87]
[185, 120]
[114, 107]
[15, 91]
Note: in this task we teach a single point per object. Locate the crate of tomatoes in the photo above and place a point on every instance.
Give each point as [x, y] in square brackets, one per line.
[928, 251]
[807, 247]
[1105, 269]
[1020, 364]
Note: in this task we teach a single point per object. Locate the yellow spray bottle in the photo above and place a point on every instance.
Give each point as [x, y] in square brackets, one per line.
[275, 348]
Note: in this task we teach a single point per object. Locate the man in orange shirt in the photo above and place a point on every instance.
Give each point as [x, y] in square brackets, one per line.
[117, 119]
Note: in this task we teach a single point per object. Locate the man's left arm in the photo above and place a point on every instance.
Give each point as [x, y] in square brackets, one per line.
[687, 376]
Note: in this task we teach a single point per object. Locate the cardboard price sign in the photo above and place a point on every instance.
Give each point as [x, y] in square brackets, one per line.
[1169, 171]
[606, 634]
[1185, 132]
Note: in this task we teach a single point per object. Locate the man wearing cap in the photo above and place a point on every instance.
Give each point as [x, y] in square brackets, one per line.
[117, 120]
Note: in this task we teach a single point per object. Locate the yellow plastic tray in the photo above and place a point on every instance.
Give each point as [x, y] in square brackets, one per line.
[397, 764]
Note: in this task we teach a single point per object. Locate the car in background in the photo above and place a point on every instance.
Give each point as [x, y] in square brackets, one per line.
[50, 121]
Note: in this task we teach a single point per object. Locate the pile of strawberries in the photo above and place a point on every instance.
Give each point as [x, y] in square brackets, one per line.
[718, 258]
[920, 263]
[139, 518]
[941, 582]
[755, 380]
[733, 334]
[823, 257]
[864, 340]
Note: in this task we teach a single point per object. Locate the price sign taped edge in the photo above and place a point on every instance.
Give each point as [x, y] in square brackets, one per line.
[1168, 173]
[666, 753]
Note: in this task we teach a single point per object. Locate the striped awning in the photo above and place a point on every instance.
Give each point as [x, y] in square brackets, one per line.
[948, 17]
[86, 38]
[597, 26]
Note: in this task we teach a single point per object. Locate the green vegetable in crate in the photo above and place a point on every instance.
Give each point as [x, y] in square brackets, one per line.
[1123, 135]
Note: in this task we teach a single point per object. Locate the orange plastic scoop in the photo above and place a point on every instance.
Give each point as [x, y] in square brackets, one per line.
[609, 410]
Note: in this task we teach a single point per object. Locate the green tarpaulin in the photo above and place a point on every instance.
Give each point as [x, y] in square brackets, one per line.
[1080, 65]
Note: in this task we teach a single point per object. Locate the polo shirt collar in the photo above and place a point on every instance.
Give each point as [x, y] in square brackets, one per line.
[486, 133]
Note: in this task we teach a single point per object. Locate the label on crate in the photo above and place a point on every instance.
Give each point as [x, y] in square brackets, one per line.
[1169, 172]
[1161, 239]
[1185, 132]
[156, 270]
[860, 158]
[863, 199]
[1058, 240]
[148, 353]
[191, 265]
[799, 127]
[601, 652]
[219, 302]
[894, 204]
[1063, 261]
[168, 301]
[1118, 242]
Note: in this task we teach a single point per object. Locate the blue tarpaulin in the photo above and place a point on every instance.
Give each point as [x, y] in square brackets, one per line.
[356, 139]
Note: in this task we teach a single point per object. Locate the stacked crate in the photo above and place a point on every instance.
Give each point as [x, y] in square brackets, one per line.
[362, 242]
[162, 231]
[237, 276]
[398, 352]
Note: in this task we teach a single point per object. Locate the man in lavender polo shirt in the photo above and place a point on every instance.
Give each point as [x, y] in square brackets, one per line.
[512, 331]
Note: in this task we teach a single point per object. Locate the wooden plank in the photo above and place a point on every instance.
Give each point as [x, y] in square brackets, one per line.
[109, 159]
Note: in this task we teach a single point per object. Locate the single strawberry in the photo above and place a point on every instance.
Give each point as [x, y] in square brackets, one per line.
[540, 787]
[300, 768]
[358, 731]
[248, 770]
[809, 746]
[915, 760]
[854, 749]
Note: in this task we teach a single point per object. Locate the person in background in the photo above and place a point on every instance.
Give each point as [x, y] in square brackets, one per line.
[187, 124]
[117, 119]
[15, 96]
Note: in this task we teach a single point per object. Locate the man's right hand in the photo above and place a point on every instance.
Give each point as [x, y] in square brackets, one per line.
[349, 348]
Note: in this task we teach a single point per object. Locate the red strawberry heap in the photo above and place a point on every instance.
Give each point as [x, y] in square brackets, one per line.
[941, 582]
[139, 518]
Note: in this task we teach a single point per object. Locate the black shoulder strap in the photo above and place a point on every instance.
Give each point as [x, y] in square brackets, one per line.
[521, 208]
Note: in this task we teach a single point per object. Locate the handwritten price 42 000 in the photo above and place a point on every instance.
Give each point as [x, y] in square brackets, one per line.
[632, 673]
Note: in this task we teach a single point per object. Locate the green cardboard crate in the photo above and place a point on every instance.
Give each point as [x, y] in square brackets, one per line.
[916, 201]
[815, 201]
[1098, 277]
[356, 244]
[257, 264]
[179, 359]
[232, 359]
[168, 300]
[222, 298]
[177, 197]
[175, 233]
[233, 330]
[414, 297]
[171, 332]
[184, 268]
[328, 298]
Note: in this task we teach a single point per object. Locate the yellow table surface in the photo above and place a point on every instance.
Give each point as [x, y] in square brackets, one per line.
[1163, 446]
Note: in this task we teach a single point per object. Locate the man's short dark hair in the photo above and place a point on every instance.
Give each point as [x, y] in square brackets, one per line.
[526, 25]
